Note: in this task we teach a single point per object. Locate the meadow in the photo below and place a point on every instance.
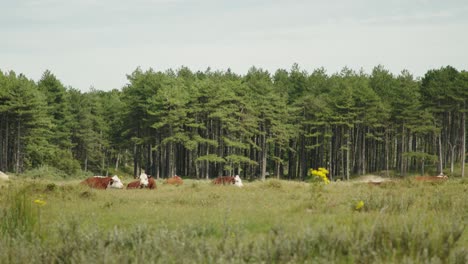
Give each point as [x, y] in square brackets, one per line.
[275, 221]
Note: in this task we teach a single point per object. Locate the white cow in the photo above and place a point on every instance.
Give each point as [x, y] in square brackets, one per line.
[238, 181]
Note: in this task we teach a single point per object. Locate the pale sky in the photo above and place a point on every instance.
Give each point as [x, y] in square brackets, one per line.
[96, 43]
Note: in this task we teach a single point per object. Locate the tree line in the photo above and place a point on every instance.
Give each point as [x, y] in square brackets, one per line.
[209, 123]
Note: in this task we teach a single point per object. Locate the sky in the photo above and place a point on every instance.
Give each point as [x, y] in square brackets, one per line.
[96, 43]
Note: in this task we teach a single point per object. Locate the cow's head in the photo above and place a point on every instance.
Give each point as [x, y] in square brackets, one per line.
[116, 183]
[143, 180]
[238, 181]
[442, 176]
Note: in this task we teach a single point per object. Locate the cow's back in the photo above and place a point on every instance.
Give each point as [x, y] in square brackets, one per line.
[97, 182]
[175, 180]
[134, 185]
[224, 180]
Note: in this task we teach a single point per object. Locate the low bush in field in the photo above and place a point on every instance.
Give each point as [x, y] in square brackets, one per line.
[44, 172]
[52, 173]
[264, 222]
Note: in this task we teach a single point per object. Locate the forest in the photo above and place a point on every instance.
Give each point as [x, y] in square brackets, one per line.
[209, 123]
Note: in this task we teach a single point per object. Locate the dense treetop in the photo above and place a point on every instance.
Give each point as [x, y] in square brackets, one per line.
[211, 123]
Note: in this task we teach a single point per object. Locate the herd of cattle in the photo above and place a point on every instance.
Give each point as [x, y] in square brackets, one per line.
[147, 182]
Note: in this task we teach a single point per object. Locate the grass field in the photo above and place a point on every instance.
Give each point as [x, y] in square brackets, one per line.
[264, 222]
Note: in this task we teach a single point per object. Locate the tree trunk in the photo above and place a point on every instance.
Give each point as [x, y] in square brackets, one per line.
[264, 157]
[117, 161]
[440, 154]
[363, 155]
[422, 168]
[86, 163]
[402, 150]
[387, 155]
[207, 163]
[2, 143]
[292, 156]
[156, 161]
[277, 162]
[348, 146]
[18, 150]
[452, 157]
[330, 157]
[6, 146]
[135, 160]
[463, 144]
[149, 161]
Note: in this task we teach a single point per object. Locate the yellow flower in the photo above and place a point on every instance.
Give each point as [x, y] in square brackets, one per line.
[39, 202]
[323, 170]
[321, 173]
[359, 205]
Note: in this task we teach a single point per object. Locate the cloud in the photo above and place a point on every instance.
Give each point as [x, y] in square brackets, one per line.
[97, 42]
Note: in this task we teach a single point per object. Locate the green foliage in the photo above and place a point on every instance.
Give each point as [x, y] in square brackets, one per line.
[58, 108]
[237, 160]
[64, 161]
[45, 172]
[210, 123]
[25, 123]
[211, 158]
[273, 184]
[420, 156]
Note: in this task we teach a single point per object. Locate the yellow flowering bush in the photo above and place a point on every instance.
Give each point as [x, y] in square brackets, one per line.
[359, 205]
[320, 174]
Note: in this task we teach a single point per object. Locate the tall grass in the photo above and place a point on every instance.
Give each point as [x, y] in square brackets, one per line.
[265, 222]
[18, 216]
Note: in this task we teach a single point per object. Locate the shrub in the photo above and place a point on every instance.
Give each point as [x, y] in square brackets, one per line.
[65, 162]
[319, 175]
[45, 172]
[273, 184]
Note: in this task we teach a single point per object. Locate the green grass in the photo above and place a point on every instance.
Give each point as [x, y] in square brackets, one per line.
[264, 222]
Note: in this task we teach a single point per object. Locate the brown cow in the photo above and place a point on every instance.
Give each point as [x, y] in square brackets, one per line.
[151, 184]
[174, 180]
[134, 185]
[101, 182]
[224, 180]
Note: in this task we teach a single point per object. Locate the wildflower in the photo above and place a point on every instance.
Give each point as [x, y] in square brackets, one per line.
[321, 174]
[359, 205]
[39, 202]
[323, 170]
